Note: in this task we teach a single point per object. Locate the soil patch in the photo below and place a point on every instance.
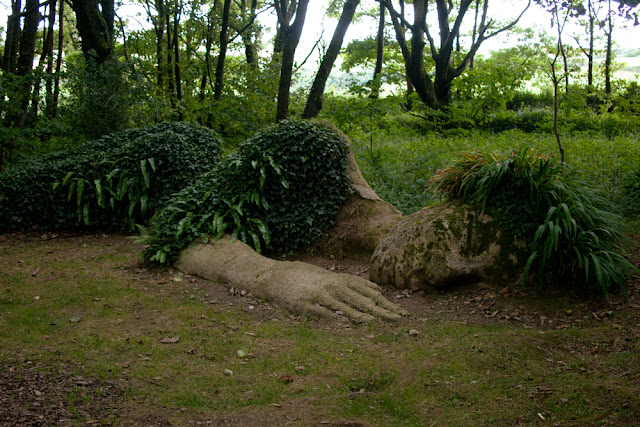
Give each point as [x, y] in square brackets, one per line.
[35, 394]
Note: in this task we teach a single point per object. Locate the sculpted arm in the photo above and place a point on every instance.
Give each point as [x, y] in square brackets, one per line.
[297, 286]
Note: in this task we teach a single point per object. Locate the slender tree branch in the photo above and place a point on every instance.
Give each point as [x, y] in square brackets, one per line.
[31, 9]
[246, 27]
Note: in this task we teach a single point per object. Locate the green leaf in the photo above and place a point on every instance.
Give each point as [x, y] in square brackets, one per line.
[234, 234]
[66, 177]
[256, 241]
[123, 186]
[263, 176]
[81, 182]
[264, 230]
[236, 218]
[85, 213]
[72, 187]
[217, 223]
[131, 209]
[98, 184]
[145, 173]
[143, 204]
[112, 173]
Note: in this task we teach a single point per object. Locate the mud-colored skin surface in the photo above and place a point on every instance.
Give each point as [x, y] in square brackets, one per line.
[447, 244]
[297, 286]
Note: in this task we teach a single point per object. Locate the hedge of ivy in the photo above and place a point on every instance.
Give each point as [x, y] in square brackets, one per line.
[110, 183]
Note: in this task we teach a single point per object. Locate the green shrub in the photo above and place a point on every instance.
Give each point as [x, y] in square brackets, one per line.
[536, 120]
[282, 188]
[528, 99]
[631, 194]
[570, 227]
[109, 183]
[629, 100]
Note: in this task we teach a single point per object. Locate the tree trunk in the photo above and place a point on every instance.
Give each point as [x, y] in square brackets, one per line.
[591, 42]
[176, 58]
[56, 85]
[475, 30]
[108, 14]
[206, 70]
[247, 35]
[609, 55]
[45, 57]
[224, 40]
[316, 95]
[159, 28]
[278, 42]
[25, 60]
[422, 83]
[12, 43]
[291, 38]
[49, 49]
[554, 79]
[170, 81]
[436, 92]
[377, 71]
[15, 118]
[95, 28]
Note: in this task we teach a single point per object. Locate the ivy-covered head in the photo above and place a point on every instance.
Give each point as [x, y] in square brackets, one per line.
[282, 188]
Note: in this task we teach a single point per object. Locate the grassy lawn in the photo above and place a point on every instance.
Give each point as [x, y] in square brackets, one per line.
[88, 334]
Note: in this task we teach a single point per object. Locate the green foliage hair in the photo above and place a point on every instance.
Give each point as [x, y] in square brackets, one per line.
[280, 189]
[573, 233]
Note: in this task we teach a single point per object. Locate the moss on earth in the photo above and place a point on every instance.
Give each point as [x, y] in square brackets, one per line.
[446, 244]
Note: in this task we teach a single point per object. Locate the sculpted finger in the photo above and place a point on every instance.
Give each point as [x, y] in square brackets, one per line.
[318, 310]
[350, 312]
[363, 283]
[378, 298]
[367, 304]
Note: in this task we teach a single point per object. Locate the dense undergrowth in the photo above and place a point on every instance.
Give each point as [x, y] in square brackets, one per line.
[399, 161]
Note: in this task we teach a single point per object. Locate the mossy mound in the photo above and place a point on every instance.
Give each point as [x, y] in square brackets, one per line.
[447, 244]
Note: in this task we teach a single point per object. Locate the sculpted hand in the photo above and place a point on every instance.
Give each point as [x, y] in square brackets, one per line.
[299, 287]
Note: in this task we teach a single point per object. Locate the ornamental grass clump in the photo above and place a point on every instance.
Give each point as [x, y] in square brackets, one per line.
[574, 235]
[280, 190]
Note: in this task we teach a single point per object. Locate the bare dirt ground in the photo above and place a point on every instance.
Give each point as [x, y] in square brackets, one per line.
[33, 394]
